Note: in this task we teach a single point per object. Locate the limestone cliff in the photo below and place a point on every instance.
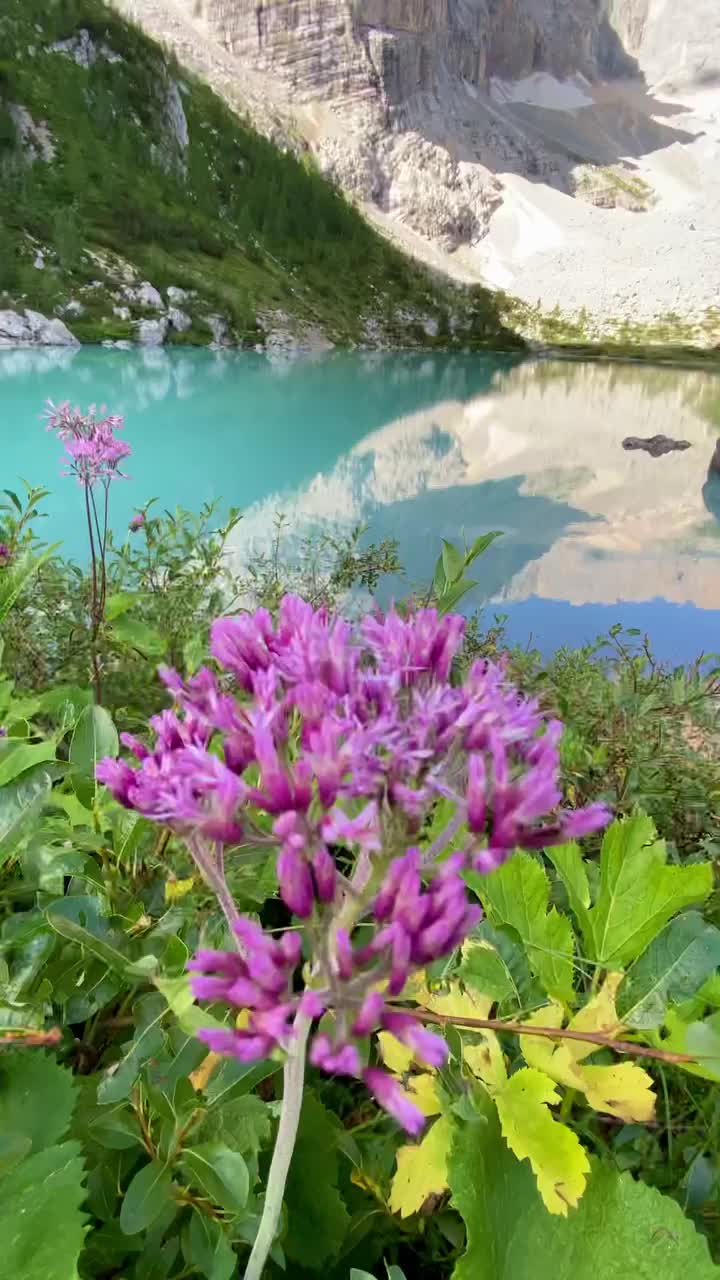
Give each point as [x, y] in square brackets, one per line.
[447, 118]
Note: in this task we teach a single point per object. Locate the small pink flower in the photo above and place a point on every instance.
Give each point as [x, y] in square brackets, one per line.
[137, 522]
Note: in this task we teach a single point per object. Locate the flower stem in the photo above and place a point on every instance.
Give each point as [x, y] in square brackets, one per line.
[293, 1080]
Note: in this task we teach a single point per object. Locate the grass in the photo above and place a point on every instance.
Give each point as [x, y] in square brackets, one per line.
[250, 229]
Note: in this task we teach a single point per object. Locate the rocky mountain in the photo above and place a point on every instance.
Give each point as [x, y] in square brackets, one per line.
[135, 206]
[565, 150]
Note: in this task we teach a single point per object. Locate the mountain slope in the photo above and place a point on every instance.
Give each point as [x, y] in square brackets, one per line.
[122, 176]
[566, 151]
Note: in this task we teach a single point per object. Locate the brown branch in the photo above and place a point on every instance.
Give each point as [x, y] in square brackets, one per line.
[554, 1033]
[23, 1038]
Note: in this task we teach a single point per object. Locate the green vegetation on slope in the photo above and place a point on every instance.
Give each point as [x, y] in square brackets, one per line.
[96, 173]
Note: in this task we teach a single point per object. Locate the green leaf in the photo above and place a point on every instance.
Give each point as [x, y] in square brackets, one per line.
[138, 635]
[20, 804]
[672, 969]
[700, 1038]
[517, 896]
[453, 562]
[317, 1218]
[237, 1079]
[495, 965]
[94, 738]
[17, 756]
[620, 1229]
[119, 602]
[480, 546]
[221, 1173]
[243, 1125]
[454, 594]
[638, 892]
[41, 1223]
[148, 1194]
[206, 1247]
[80, 920]
[14, 1147]
[568, 862]
[37, 1097]
[148, 1042]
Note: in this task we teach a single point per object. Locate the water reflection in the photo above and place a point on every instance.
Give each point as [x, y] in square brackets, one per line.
[422, 447]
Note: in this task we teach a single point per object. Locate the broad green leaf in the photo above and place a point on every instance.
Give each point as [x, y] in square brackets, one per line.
[621, 1229]
[14, 1147]
[220, 1173]
[317, 1220]
[496, 965]
[517, 896]
[138, 635]
[191, 1018]
[672, 969]
[20, 804]
[453, 562]
[243, 1125]
[638, 892]
[37, 1097]
[41, 1223]
[148, 1195]
[206, 1247]
[557, 1158]
[235, 1079]
[95, 737]
[421, 1170]
[18, 756]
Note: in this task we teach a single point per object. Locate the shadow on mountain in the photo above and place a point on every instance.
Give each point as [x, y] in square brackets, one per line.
[531, 524]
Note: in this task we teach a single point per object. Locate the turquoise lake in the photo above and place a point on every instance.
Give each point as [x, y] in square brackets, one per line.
[419, 447]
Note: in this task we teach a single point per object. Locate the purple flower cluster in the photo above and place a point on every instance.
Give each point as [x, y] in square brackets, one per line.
[347, 739]
[93, 450]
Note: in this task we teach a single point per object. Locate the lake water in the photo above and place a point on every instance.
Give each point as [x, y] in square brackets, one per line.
[420, 447]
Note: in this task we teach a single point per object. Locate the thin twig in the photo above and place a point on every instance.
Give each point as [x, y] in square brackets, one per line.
[24, 1038]
[554, 1033]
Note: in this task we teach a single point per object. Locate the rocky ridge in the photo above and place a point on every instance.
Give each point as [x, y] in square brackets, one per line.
[495, 138]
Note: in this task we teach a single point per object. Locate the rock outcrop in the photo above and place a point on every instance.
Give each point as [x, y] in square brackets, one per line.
[31, 329]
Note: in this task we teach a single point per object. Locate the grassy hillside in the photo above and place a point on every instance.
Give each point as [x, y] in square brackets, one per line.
[116, 165]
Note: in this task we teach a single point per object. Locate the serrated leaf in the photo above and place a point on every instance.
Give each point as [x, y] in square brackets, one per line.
[14, 1147]
[517, 896]
[148, 1195]
[37, 1097]
[638, 892]
[623, 1089]
[621, 1228]
[316, 1215]
[220, 1173]
[672, 969]
[557, 1158]
[421, 1170]
[41, 1223]
[499, 969]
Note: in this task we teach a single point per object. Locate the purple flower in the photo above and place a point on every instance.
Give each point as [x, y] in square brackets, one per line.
[92, 448]
[388, 1093]
[334, 745]
[137, 522]
[5, 555]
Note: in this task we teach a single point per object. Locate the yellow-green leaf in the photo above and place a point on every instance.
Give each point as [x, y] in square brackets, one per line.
[554, 1151]
[421, 1170]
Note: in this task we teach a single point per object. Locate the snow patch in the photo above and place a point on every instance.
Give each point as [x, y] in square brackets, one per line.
[543, 90]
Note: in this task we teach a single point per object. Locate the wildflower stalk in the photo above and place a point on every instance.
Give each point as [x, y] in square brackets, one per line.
[339, 745]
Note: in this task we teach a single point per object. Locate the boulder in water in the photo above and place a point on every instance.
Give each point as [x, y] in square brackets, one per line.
[656, 446]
